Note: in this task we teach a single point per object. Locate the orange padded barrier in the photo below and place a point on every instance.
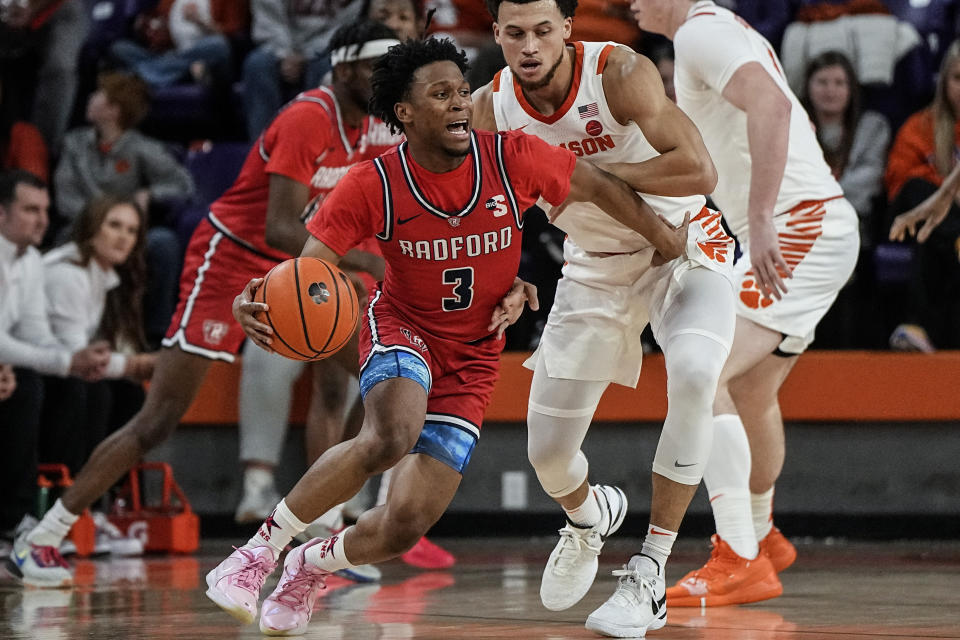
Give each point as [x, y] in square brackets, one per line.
[824, 386]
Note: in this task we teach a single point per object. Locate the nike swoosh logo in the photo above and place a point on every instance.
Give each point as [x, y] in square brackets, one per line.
[406, 220]
[676, 463]
[519, 128]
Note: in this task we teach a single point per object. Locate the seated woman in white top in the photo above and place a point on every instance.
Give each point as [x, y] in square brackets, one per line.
[95, 283]
[94, 291]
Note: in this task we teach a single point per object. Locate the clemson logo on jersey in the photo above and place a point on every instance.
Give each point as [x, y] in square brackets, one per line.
[497, 204]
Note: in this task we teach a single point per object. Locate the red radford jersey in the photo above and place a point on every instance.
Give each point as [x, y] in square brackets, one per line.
[307, 141]
[451, 240]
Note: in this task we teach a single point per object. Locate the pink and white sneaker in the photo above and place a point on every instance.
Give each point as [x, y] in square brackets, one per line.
[287, 611]
[234, 585]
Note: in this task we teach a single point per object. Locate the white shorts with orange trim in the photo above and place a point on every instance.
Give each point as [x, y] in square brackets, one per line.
[604, 301]
[820, 240]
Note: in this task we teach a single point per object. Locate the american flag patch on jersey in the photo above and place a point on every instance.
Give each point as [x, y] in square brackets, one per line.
[589, 111]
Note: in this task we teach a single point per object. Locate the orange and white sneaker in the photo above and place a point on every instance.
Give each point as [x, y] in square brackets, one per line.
[781, 551]
[726, 579]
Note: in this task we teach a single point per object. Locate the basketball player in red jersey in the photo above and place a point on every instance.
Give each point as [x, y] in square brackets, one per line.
[302, 154]
[446, 207]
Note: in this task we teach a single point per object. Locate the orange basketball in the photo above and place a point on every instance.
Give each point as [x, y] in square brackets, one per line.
[313, 308]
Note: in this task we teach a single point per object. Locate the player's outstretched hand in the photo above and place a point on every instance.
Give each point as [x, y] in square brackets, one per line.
[245, 310]
[769, 267]
[675, 243]
[511, 306]
[928, 214]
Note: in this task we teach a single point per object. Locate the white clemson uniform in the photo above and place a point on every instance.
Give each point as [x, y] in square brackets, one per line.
[610, 290]
[818, 228]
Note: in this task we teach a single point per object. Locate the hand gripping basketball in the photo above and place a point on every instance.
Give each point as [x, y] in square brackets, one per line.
[303, 309]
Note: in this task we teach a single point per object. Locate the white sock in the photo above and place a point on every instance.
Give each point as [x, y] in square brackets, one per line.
[588, 514]
[384, 489]
[727, 478]
[761, 506]
[277, 530]
[54, 527]
[256, 477]
[731, 513]
[329, 554]
[658, 544]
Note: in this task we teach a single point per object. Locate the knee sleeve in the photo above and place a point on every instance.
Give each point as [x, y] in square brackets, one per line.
[558, 416]
[693, 362]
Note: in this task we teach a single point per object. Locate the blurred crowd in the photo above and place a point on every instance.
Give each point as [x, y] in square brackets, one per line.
[122, 120]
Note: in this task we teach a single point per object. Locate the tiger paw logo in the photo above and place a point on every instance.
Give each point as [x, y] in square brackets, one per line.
[715, 250]
[318, 292]
[750, 293]
[416, 341]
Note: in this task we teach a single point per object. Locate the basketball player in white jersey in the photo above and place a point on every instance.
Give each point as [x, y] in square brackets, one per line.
[800, 242]
[606, 103]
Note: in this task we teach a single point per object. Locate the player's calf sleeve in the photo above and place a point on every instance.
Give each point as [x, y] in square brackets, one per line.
[693, 364]
[727, 478]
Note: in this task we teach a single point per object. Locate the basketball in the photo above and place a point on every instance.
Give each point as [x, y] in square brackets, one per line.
[313, 308]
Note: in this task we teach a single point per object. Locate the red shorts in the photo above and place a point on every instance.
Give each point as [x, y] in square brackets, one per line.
[461, 375]
[216, 268]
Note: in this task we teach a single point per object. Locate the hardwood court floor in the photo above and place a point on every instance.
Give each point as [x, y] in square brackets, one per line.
[840, 591]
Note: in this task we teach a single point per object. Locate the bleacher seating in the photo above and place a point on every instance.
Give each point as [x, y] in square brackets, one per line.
[214, 167]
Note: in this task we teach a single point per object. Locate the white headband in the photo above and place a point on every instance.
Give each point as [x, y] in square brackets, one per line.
[370, 49]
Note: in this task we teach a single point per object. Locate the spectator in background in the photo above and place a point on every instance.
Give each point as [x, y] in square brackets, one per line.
[21, 143]
[183, 40]
[94, 288]
[26, 342]
[8, 381]
[601, 20]
[405, 17]
[923, 184]
[769, 17]
[113, 157]
[292, 37]
[53, 31]
[854, 142]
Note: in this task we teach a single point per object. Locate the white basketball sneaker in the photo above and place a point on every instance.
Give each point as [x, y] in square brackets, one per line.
[638, 605]
[572, 565]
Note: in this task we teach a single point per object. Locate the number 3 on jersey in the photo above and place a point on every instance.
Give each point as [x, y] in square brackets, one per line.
[462, 281]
